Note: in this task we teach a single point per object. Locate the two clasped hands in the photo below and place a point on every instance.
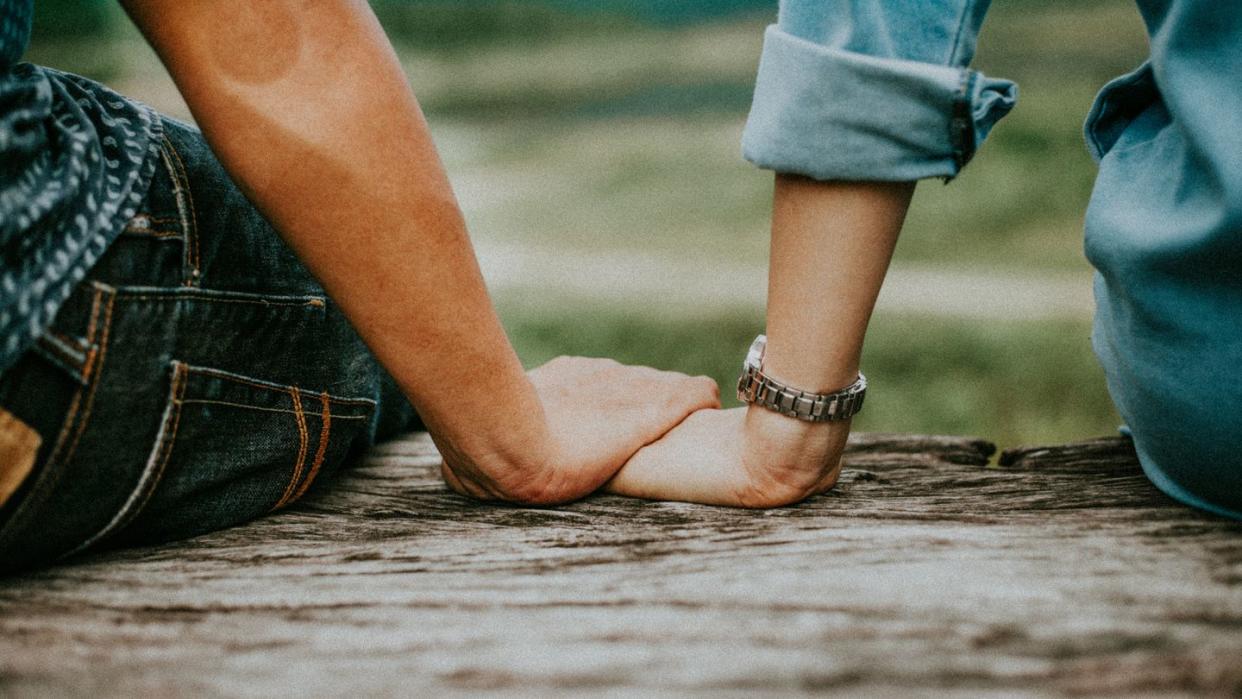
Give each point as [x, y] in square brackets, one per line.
[654, 434]
[645, 433]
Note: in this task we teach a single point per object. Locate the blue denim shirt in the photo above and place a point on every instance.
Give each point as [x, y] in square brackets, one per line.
[873, 90]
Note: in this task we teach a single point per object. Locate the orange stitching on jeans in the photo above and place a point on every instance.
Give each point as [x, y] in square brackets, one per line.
[71, 341]
[303, 440]
[64, 356]
[191, 232]
[153, 473]
[352, 401]
[178, 195]
[76, 403]
[143, 223]
[150, 218]
[51, 474]
[200, 401]
[70, 344]
[90, 364]
[325, 430]
[178, 391]
[96, 367]
[270, 387]
[91, 325]
[150, 233]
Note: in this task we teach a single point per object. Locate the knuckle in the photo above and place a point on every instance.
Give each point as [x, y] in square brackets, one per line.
[675, 401]
[707, 384]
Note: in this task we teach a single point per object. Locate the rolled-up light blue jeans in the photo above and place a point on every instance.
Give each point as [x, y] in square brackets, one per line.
[880, 90]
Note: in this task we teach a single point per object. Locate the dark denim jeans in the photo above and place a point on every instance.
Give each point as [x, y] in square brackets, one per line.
[199, 377]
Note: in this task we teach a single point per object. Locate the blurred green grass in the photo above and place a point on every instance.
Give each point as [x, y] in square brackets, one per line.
[605, 134]
[1014, 382]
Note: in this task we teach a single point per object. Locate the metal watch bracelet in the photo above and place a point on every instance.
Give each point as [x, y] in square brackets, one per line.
[755, 387]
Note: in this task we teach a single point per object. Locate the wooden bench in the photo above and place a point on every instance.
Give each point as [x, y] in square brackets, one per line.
[1060, 571]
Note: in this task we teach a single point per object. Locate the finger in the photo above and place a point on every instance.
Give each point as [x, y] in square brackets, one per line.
[710, 390]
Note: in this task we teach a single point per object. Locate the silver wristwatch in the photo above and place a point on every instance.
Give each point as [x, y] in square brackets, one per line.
[756, 387]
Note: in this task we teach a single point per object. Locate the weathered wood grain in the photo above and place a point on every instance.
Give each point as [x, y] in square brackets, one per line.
[926, 572]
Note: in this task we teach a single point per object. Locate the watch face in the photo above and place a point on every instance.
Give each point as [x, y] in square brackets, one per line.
[754, 358]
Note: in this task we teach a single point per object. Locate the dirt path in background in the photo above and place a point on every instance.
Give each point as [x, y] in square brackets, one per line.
[684, 284]
[721, 286]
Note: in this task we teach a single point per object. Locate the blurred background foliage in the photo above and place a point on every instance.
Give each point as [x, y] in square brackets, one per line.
[594, 147]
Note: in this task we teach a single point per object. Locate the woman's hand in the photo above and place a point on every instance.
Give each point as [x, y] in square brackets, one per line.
[598, 412]
[741, 458]
[831, 244]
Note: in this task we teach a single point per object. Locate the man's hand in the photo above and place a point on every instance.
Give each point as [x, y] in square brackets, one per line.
[741, 458]
[599, 413]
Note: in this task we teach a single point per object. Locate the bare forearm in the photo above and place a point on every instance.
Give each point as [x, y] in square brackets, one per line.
[831, 245]
[306, 106]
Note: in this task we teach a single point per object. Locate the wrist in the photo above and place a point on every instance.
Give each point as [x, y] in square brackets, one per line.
[786, 460]
[789, 439]
[507, 454]
[831, 367]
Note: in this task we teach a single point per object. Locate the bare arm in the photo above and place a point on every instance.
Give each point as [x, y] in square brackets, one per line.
[305, 104]
[831, 245]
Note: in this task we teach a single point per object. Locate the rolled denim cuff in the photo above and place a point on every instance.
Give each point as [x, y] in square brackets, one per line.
[838, 115]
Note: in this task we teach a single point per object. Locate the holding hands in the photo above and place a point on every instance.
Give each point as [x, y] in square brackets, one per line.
[658, 435]
[598, 414]
[831, 243]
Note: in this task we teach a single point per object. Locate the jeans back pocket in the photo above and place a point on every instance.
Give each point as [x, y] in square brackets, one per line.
[231, 448]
